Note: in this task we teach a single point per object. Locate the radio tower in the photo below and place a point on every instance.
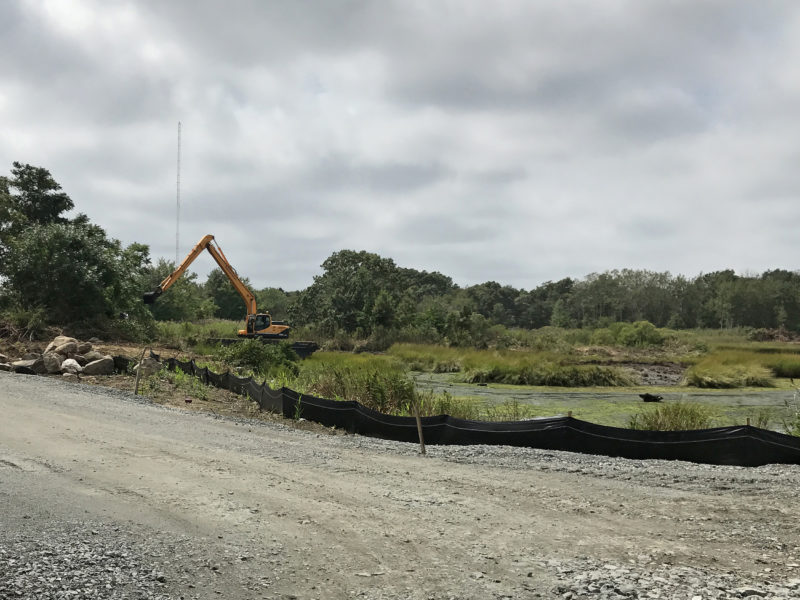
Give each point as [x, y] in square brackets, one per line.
[178, 199]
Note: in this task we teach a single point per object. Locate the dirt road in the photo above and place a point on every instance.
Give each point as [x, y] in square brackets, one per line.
[202, 507]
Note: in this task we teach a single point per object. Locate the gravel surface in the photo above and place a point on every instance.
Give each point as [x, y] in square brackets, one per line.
[108, 496]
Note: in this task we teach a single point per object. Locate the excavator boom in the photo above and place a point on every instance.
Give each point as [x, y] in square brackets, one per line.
[207, 243]
[258, 324]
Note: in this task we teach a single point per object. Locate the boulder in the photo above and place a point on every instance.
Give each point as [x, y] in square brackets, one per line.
[31, 356]
[68, 349]
[59, 340]
[70, 365]
[104, 366]
[84, 347]
[149, 366]
[70, 376]
[5, 367]
[82, 360]
[92, 356]
[95, 341]
[32, 366]
[3, 358]
[52, 362]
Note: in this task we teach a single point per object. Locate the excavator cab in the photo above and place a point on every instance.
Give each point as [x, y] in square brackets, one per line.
[258, 322]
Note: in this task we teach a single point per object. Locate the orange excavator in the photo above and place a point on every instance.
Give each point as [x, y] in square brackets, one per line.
[258, 324]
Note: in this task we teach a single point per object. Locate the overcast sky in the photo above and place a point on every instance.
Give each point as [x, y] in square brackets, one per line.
[515, 141]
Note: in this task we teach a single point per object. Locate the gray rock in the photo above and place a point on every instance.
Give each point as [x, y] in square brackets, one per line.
[59, 340]
[84, 347]
[93, 355]
[103, 366]
[5, 366]
[69, 376]
[35, 365]
[52, 362]
[70, 365]
[149, 366]
[31, 356]
[750, 592]
[82, 360]
[69, 349]
[3, 358]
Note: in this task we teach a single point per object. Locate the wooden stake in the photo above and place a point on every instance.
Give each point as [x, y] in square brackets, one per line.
[419, 428]
[569, 414]
[138, 373]
[748, 421]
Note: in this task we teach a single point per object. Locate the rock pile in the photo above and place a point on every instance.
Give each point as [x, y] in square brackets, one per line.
[64, 355]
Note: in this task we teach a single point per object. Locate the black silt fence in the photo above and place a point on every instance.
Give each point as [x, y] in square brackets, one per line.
[739, 445]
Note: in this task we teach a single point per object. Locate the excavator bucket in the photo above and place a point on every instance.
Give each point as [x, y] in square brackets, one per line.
[150, 297]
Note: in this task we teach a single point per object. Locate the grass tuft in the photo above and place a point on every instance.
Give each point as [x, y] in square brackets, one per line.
[720, 376]
[678, 416]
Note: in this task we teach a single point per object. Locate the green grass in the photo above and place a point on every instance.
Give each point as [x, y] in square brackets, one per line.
[673, 416]
[743, 367]
[509, 366]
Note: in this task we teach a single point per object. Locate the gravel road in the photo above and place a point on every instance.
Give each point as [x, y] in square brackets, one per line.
[105, 495]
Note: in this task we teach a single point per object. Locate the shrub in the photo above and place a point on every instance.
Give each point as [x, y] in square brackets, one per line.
[678, 416]
[640, 333]
[259, 357]
[603, 337]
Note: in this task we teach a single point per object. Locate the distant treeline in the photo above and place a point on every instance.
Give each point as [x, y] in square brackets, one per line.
[360, 292]
[58, 271]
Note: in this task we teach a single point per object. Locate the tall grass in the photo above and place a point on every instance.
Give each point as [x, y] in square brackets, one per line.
[678, 416]
[550, 374]
[508, 366]
[741, 368]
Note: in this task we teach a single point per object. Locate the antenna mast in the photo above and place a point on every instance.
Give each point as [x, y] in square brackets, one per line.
[178, 198]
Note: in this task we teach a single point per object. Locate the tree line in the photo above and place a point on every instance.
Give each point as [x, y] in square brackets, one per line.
[63, 270]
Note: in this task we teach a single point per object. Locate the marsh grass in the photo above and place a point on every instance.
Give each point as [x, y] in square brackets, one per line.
[741, 368]
[674, 416]
[791, 424]
[550, 374]
[431, 404]
[509, 366]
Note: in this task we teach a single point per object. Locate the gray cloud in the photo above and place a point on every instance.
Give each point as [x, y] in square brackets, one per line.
[522, 143]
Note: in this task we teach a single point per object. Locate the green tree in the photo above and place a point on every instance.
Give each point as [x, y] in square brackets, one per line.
[383, 311]
[186, 300]
[228, 301]
[275, 301]
[75, 273]
[29, 197]
[343, 297]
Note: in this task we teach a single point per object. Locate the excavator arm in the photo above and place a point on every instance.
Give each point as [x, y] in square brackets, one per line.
[207, 243]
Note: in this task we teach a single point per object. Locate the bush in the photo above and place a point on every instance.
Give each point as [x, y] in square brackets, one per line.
[678, 416]
[640, 333]
[603, 337]
[261, 358]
